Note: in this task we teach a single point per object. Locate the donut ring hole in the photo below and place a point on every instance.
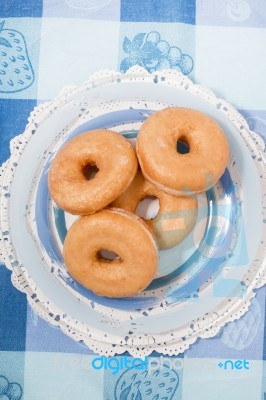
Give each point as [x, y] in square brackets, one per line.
[90, 170]
[182, 146]
[107, 256]
[148, 207]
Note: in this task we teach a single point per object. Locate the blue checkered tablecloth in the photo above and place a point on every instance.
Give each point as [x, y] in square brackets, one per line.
[47, 44]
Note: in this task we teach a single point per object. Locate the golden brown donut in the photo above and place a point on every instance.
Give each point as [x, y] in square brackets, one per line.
[176, 217]
[115, 159]
[122, 233]
[177, 173]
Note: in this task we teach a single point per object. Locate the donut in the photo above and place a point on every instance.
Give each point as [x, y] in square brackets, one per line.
[176, 217]
[122, 233]
[162, 162]
[115, 159]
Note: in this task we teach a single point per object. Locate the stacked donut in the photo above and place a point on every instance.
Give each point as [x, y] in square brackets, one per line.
[179, 152]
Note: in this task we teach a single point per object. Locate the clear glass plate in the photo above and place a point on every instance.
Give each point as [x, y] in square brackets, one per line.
[201, 282]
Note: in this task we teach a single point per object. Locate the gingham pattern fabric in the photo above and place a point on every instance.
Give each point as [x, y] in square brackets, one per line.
[47, 44]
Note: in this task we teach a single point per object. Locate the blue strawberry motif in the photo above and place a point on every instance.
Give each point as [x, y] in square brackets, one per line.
[159, 384]
[16, 72]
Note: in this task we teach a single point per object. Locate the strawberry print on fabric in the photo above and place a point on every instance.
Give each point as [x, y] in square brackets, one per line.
[160, 384]
[16, 72]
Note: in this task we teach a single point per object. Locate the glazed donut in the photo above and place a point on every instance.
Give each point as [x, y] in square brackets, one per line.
[122, 233]
[171, 171]
[117, 165]
[176, 216]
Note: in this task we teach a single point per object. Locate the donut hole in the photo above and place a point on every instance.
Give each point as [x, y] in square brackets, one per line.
[148, 207]
[182, 146]
[107, 255]
[90, 171]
